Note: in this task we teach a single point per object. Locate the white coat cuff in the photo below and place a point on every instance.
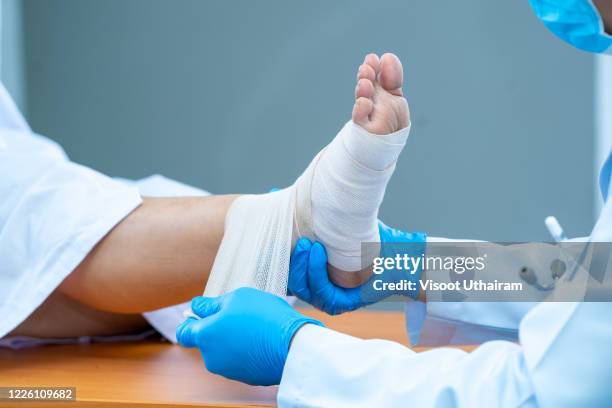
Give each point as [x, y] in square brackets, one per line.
[301, 375]
[327, 368]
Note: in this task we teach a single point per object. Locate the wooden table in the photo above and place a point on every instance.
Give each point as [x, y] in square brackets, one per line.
[152, 374]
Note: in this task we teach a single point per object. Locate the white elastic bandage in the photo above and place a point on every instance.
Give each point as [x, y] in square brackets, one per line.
[348, 187]
[334, 201]
[256, 245]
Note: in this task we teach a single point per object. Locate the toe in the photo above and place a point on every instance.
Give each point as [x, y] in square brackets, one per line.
[391, 74]
[364, 89]
[361, 111]
[366, 72]
[373, 61]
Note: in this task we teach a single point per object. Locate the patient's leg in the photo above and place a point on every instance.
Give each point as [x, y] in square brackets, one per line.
[163, 252]
[160, 255]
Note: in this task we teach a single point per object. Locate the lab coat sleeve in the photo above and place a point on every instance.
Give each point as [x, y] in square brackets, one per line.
[472, 322]
[469, 321]
[52, 213]
[568, 354]
[329, 369]
[563, 360]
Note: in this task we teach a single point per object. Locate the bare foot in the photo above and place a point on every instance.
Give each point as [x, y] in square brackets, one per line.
[380, 106]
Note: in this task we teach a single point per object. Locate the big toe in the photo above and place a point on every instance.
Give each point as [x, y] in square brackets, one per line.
[391, 74]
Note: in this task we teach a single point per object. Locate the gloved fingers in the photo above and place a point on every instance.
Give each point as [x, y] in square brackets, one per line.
[205, 306]
[186, 333]
[388, 234]
[298, 270]
[391, 240]
[382, 228]
[317, 268]
[394, 235]
[329, 297]
[324, 292]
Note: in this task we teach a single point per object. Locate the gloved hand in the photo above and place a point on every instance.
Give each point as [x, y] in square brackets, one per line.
[308, 279]
[243, 335]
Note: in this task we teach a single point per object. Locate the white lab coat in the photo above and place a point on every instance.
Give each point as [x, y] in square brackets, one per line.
[52, 213]
[563, 357]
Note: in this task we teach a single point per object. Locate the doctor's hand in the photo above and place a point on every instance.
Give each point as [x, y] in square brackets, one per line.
[309, 281]
[243, 335]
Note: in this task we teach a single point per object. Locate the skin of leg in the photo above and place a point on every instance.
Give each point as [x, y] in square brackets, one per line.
[605, 10]
[159, 255]
[61, 316]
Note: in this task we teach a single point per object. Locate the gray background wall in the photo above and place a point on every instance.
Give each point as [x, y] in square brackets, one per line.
[237, 96]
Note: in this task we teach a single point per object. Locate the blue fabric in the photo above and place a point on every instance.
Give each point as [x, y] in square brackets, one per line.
[576, 22]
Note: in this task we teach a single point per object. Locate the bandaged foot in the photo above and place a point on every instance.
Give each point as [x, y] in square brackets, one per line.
[335, 201]
[338, 196]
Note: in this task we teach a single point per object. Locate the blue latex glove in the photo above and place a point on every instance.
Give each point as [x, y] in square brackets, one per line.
[308, 279]
[243, 335]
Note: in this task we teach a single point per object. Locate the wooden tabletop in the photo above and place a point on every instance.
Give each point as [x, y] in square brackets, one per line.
[154, 374]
